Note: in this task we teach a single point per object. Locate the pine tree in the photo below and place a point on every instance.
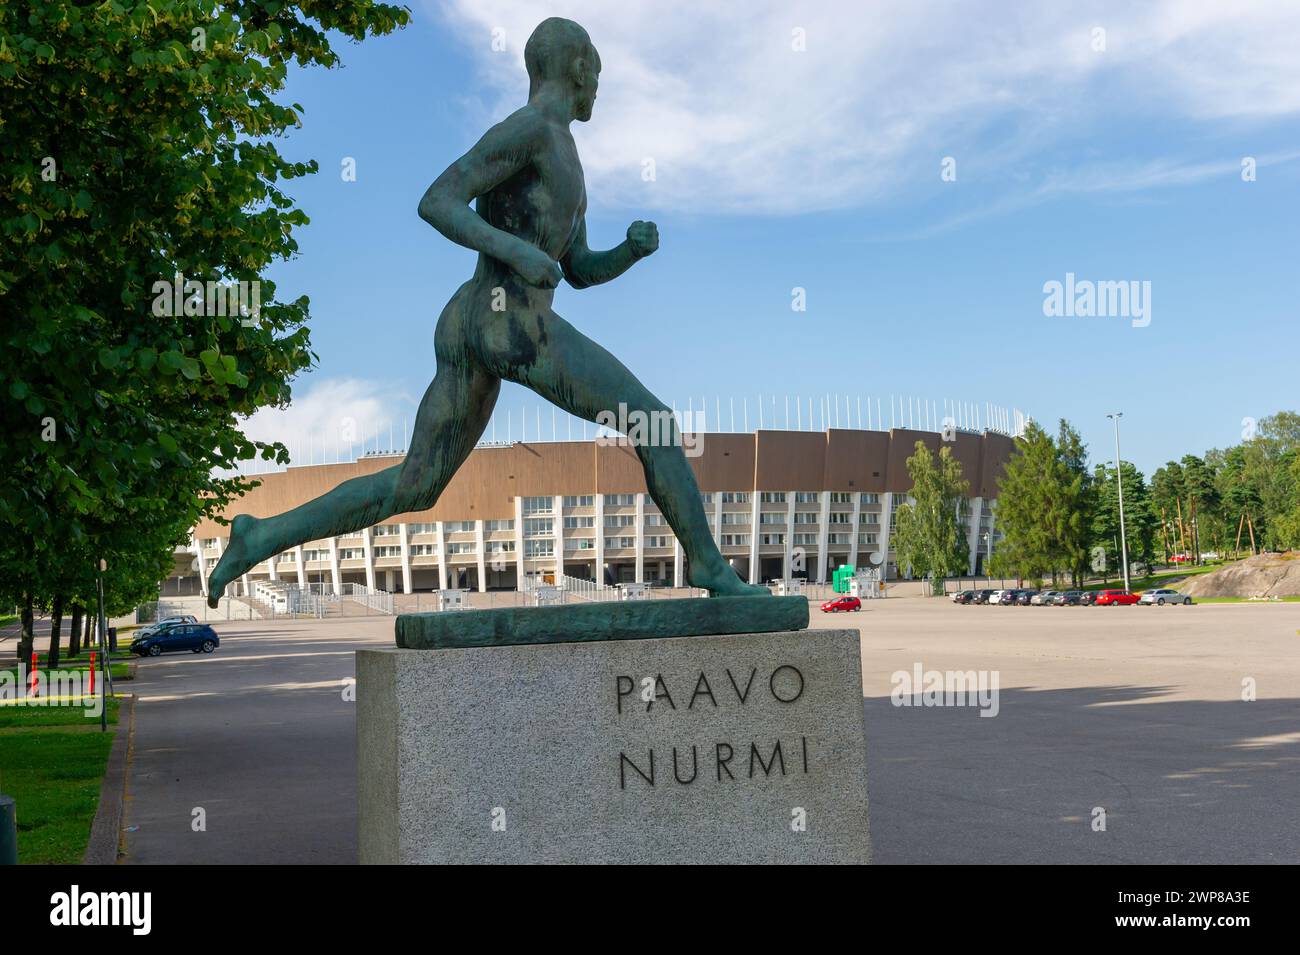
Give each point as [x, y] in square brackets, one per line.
[1033, 506]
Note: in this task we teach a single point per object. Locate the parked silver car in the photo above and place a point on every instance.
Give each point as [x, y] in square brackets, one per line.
[1162, 596]
[163, 624]
[1045, 598]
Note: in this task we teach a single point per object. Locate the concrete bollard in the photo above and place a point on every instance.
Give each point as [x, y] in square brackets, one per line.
[8, 831]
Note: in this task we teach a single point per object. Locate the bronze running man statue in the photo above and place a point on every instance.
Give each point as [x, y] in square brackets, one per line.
[528, 227]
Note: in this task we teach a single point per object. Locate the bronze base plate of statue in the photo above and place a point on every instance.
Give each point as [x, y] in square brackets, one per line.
[616, 620]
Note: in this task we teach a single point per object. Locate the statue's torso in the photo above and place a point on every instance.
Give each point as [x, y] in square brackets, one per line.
[545, 201]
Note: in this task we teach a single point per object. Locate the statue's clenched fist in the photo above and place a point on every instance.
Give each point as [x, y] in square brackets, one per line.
[643, 237]
[538, 268]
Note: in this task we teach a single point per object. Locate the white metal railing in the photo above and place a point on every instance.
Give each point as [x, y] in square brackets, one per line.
[371, 597]
[575, 586]
[315, 599]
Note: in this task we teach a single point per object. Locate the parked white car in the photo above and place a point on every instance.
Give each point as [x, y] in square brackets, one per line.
[1161, 597]
[164, 624]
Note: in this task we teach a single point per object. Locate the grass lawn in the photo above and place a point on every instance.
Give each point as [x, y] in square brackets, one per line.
[120, 671]
[17, 717]
[1161, 578]
[121, 653]
[52, 763]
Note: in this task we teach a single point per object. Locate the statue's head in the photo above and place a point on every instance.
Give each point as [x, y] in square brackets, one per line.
[559, 51]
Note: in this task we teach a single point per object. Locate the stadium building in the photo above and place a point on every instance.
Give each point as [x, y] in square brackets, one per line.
[781, 504]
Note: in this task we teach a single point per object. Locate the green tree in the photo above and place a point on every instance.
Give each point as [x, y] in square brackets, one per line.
[1139, 523]
[1079, 502]
[1286, 527]
[141, 178]
[1269, 458]
[1238, 496]
[927, 535]
[1029, 506]
[1166, 501]
[1045, 505]
[1203, 503]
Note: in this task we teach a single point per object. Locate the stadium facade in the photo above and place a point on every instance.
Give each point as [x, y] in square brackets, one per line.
[781, 504]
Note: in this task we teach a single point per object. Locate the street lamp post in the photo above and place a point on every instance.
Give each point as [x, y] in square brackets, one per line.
[105, 667]
[1119, 479]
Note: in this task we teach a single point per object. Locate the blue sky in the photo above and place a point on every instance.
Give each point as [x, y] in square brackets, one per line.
[820, 168]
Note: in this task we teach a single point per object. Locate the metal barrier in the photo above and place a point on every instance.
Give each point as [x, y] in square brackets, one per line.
[572, 586]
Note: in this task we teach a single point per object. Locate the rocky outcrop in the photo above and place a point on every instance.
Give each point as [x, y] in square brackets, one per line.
[1266, 575]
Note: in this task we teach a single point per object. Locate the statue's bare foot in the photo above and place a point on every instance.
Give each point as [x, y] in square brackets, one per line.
[234, 561]
[724, 582]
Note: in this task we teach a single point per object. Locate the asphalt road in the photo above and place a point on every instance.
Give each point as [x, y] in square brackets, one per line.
[258, 736]
[1132, 710]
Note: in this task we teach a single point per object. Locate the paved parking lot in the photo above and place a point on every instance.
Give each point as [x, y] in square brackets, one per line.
[1137, 710]
[1134, 710]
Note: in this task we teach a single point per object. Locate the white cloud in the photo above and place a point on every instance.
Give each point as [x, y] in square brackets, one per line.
[736, 120]
[335, 419]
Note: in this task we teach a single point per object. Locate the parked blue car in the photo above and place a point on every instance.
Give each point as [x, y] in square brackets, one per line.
[195, 637]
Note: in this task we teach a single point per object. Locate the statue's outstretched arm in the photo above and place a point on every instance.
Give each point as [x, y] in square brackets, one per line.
[583, 267]
[504, 149]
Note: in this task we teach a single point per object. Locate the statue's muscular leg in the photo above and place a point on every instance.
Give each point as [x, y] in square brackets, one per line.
[584, 379]
[452, 415]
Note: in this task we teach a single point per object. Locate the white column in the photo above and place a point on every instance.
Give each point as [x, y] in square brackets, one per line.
[519, 542]
[677, 564]
[203, 565]
[302, 569]
[717, 519]
[787, 571]
[823, 530]
[270, 567]
[335, 577]
[442, 555]
[856, 518]
[886, 518]
[370, 558]
[640, 539]
[405, 540]
[557, 531]
[600, 538]
[480, 556]
[973, 532]
[754, 526]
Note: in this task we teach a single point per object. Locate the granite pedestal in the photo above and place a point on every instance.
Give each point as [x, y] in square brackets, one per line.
[717, 749]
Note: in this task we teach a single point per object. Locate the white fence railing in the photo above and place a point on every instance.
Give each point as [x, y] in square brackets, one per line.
[271, 599]
[369, 597]
[572, 586]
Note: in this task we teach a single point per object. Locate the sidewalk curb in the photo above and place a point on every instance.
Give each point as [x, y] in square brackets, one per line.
[106, 830]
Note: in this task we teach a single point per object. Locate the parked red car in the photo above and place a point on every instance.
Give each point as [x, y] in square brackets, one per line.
[1115, 598]
[842, 604]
